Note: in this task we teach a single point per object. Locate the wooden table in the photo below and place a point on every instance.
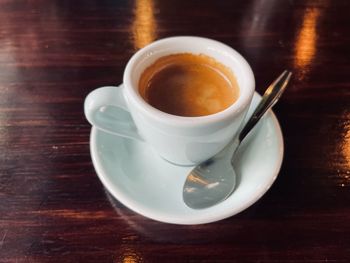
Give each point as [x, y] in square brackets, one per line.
[53, 208]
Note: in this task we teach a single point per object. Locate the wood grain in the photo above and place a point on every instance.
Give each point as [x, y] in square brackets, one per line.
[53, 207]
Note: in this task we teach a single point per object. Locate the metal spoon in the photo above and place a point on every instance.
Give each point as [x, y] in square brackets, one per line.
[214, 180]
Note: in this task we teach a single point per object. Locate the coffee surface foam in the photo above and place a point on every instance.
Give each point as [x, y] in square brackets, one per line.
[188, 85]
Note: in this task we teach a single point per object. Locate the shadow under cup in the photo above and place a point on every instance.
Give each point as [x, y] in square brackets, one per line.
[187, 140]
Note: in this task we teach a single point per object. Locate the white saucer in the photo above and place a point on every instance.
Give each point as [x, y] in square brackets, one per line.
[152, 187]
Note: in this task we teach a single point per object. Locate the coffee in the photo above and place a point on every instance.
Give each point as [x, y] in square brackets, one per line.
[188, 85]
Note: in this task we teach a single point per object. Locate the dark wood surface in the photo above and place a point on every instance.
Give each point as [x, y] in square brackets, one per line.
[53, 207]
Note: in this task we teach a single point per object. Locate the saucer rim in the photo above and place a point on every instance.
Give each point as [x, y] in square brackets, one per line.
[210, 217]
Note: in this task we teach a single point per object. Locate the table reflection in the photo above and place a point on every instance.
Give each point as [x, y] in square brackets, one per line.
[144, 25]
[345, 149]
[306, 41]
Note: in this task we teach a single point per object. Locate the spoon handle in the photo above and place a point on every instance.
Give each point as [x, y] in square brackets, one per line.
[270, 97]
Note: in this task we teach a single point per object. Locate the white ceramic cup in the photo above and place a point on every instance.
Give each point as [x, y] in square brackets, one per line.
[180, 140]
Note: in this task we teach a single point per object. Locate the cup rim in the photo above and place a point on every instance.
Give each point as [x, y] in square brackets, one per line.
[239, 105]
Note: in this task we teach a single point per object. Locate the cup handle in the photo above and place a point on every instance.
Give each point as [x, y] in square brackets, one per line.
[106, 109]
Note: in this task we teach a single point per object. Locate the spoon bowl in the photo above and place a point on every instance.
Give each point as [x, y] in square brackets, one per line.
[211, 175]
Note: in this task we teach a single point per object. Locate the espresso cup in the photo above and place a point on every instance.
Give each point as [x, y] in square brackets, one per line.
[180, 140]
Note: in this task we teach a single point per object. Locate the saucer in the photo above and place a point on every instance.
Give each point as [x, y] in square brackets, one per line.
[147, 184]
